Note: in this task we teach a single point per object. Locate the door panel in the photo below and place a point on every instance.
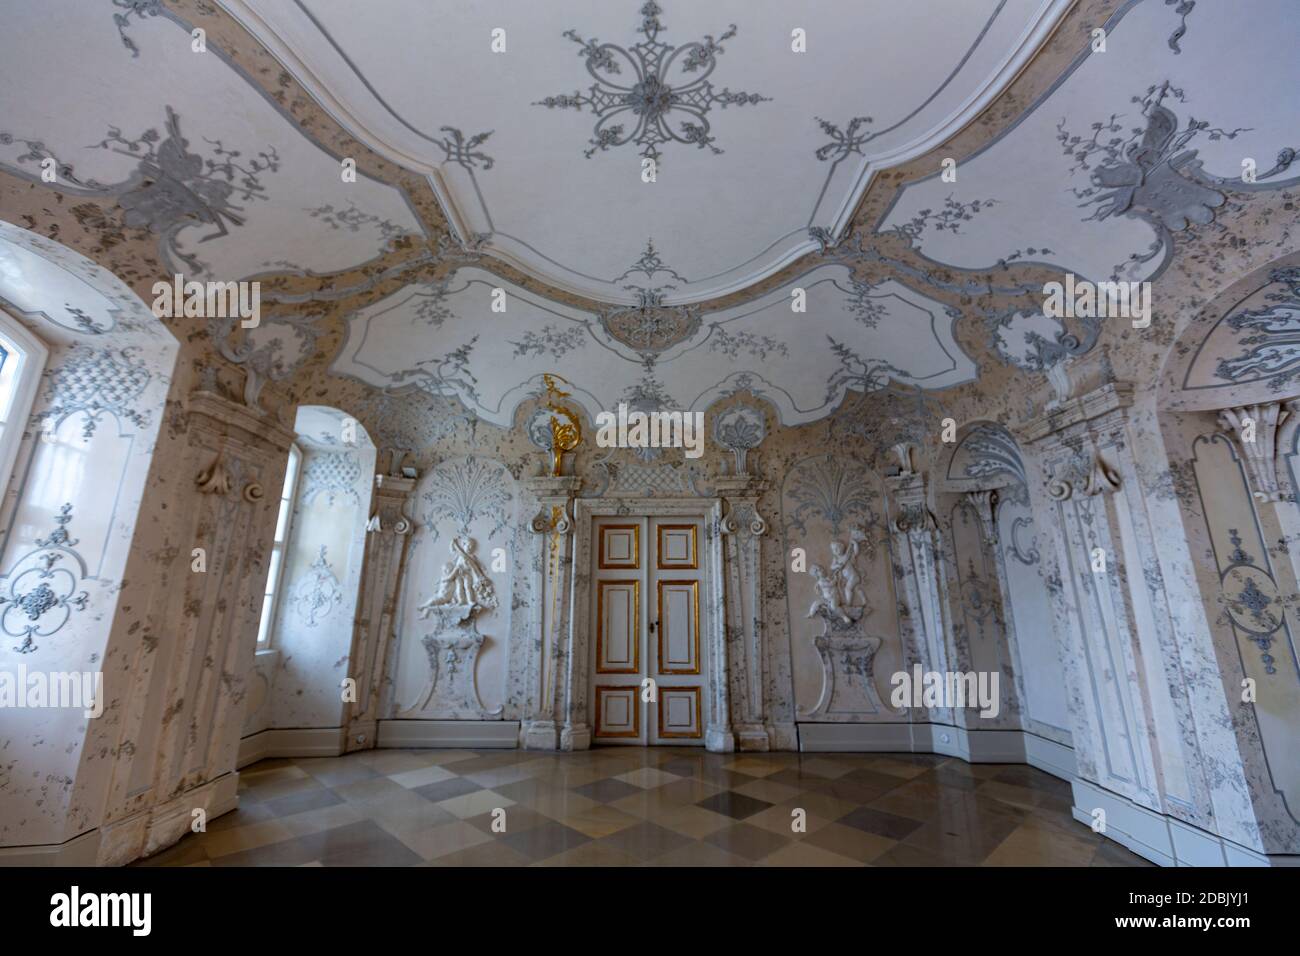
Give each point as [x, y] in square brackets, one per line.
[677, 547]
[657, 639]
[618, 627]
[679, 713]
[679, 627]
[620, 546]
[618, 712]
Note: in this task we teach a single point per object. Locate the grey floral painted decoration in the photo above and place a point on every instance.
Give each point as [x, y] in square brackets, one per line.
[1152, 172]
[318, 593]
[465, 152]
[1271, 346]
[174, 188]
[832, 489]
[334, 475]
[96, 382]
[134, 8]
[1184, 10]
[658, 105]
[468, 490]
[740, 429]
[41, 585]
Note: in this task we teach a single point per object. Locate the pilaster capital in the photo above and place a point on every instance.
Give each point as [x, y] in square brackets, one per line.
[1254, 429]
[739, 486]
[546, 487]
[211, 412]
[391, 494]
[1110, 397]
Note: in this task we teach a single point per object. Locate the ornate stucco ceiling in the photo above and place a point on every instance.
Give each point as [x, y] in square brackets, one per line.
[538, 153]
[778, 175]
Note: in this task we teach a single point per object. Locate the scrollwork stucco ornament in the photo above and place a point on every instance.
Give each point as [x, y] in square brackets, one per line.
[556, 522]
[903, 452]
[1101, 480]
[1254, 433]
[214, 479]
[1059, 490]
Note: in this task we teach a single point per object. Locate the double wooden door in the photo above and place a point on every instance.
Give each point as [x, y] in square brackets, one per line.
[647, 667]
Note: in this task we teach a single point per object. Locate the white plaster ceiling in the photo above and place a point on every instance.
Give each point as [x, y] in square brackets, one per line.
[408, 76]
[272, 201]
[437, 340]
[1230, 66]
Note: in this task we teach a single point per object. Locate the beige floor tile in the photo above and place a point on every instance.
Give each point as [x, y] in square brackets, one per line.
[848, 841]
[244, 838]
[472, 804]
[767, 790]
[647, 777]
[326, 818]
[780, 818]
[1033, 844]
[419, 776]
[699, 854]
[805, 854]
[695, 822]
[444, 839]
[590, 854]
[599, 821]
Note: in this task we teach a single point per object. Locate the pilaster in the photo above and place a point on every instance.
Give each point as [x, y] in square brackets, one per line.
[543, 726]
[388, 534]
[743, 530]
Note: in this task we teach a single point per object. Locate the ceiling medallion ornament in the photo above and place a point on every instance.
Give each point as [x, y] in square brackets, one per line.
[649, 104]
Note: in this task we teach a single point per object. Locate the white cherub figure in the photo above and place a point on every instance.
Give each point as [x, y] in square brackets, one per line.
[843, 570]
[828, 595]
[463, 582]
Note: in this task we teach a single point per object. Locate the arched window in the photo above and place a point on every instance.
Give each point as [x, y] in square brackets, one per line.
[22, 359]
[282, 523]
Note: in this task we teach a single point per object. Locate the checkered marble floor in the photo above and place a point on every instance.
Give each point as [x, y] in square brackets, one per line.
[644, 807]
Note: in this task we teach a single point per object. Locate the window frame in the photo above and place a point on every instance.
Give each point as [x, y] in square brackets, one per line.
[280, 546]
[35, 354]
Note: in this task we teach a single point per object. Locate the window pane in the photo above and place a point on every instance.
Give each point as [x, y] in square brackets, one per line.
[264, 630]
[11, 360]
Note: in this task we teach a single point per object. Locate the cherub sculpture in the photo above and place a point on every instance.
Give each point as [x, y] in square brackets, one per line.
[828, 595]
[463, 582]
[843, 570]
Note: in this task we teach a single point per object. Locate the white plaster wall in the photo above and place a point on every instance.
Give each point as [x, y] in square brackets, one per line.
[1044, 707]
[471, 495]
[87, 449]
[312, 636]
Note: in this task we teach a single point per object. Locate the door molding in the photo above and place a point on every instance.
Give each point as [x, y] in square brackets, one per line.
[577, 731]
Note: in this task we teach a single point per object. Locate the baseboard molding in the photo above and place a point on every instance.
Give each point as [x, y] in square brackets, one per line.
[474, 734]
[82, 850]
[973, 746]
[292, 742]
[1162, 839]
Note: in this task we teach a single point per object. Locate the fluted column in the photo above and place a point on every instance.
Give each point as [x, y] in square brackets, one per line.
[748, 675]
[387, 535]
[184, 727]
[545, 725]
[915, 546]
